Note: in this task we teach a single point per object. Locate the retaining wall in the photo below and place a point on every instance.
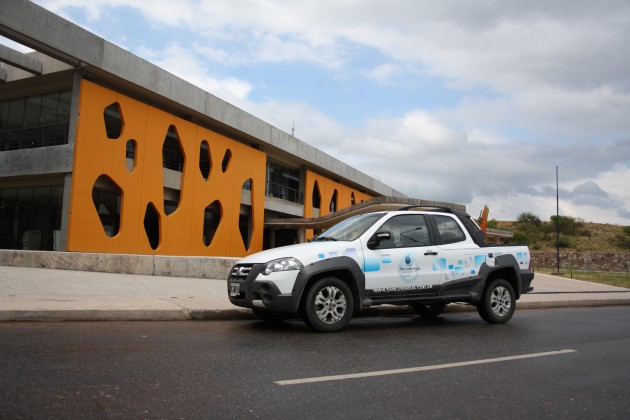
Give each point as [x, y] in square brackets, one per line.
[586, 261]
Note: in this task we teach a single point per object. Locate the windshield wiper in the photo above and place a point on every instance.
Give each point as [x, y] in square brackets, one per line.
[323, 238]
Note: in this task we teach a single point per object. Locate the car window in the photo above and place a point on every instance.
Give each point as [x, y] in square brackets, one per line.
[449, 230]
[407, 230]
[349, 229]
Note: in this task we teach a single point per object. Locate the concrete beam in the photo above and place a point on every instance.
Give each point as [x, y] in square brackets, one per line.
[20, 60]
[37, 161]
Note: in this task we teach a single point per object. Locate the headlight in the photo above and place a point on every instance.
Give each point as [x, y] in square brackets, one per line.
[283, 264]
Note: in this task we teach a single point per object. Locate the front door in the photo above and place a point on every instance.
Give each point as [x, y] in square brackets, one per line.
[404, 264]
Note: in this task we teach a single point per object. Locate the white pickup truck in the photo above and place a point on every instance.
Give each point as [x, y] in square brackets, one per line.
[422, 257]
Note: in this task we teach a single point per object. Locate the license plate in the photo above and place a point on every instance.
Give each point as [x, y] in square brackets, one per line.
[235, 289]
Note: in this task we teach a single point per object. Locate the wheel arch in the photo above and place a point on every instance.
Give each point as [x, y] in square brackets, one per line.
[506, 268]
[344, 268]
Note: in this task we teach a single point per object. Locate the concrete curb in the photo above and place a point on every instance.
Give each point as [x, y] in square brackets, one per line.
[245, 314]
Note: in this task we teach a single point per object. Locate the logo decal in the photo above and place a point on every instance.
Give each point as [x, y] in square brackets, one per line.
[408, 270]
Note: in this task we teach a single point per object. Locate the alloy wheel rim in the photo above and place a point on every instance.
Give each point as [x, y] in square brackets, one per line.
[330, 305]
[500, 301]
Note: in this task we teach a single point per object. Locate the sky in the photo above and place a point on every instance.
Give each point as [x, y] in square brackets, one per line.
[470, 102]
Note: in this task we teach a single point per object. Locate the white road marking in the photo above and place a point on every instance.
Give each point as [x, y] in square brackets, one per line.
[420, 368]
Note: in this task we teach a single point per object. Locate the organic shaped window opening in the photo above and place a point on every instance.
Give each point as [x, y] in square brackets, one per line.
[113, 121]
[107, 199]
[205, 162]
[172, 151]
[211, 220]
[245, 220]
[316, 196]
[226, 160]
[130, 155]
[352, 199]
[152, 226]
[333, 202]
[171, 200]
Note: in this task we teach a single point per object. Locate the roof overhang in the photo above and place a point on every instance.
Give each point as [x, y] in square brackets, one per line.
[372, 205]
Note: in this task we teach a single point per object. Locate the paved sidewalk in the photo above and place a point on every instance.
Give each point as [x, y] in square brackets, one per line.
[38, 294]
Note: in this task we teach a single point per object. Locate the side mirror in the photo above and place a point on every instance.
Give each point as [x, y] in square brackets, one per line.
[379, 236]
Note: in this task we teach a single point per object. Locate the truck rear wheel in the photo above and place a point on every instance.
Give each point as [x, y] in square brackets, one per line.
[328, 305]
[498, 303]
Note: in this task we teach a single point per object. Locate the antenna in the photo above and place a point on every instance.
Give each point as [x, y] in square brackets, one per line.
[293, 128]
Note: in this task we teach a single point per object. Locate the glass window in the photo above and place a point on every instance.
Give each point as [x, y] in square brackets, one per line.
[409, 230]
[283, 183]
[449, 230]
[30, 218]
[35, 121]
[351, 228]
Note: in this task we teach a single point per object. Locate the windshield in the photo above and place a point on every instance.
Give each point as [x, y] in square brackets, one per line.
[350, 229]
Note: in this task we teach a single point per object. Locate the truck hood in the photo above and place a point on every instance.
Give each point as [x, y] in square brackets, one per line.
[306, 252]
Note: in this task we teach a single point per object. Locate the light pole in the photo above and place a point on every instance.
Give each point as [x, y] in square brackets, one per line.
[557, 224]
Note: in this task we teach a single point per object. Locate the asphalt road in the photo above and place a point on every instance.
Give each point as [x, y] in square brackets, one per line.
[570, 363]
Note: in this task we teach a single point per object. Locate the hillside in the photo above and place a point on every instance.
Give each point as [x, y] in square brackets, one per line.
[586, 237]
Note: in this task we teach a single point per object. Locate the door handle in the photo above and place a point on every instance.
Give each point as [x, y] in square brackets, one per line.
[430, 253]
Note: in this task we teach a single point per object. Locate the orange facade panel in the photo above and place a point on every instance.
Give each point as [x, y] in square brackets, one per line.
[102, 163]
[331, 194]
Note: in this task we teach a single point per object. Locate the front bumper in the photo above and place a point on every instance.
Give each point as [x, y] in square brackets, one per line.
[527, 276]
[253, 294]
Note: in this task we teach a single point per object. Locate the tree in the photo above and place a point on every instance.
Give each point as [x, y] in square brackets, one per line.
[568, 224]
[528, 222]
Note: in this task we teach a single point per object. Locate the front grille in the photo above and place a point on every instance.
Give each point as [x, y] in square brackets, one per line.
[240, 272]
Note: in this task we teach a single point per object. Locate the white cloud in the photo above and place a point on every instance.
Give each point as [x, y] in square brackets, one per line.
[538, 84]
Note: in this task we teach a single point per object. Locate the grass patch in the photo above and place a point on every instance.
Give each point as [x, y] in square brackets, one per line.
[611, 279]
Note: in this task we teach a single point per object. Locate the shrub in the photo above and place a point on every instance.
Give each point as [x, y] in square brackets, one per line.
[520, 238]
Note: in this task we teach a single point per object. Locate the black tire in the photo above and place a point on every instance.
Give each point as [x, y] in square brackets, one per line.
[498, 303]
[328, 305]
[269, 316]
[429, 310]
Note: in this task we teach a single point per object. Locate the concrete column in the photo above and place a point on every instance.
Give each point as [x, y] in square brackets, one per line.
[301, 233]
[272, 238]
[67, 181]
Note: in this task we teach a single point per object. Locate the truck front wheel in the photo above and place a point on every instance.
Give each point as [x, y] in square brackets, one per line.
[328, 305]
[498, 303]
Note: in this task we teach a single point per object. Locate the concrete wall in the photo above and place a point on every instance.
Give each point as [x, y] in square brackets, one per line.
[150, 265]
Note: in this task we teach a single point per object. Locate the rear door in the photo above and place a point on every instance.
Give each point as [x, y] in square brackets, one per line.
[459, 257]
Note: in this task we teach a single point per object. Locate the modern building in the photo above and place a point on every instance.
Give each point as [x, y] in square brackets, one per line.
[102, 151]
